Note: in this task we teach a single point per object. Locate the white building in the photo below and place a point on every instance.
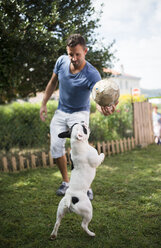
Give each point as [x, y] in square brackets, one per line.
[126, 82]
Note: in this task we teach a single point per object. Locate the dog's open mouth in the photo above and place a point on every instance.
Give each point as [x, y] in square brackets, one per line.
[79, 136]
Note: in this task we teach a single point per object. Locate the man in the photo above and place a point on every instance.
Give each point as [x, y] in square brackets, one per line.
[76, 79]
[156, 125]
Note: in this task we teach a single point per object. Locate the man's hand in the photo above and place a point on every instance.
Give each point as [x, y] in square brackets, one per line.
[107, 110]
[48, 92]
[43, 112]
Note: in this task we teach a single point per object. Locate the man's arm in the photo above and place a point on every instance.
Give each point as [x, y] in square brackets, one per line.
[51, 86]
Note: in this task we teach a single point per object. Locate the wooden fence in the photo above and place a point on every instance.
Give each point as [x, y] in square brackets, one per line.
[14, 163]
[143, 133]
[143, 125]
[21, 162]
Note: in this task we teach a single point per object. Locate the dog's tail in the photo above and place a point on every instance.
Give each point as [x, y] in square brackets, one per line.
[67, 201]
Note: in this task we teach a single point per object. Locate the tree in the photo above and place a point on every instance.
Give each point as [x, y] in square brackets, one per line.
[33, 35]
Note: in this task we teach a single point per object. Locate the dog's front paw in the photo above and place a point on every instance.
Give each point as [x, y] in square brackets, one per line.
[102, 156]
[52, 237]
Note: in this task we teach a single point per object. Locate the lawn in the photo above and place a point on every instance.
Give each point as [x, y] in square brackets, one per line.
[126, 205]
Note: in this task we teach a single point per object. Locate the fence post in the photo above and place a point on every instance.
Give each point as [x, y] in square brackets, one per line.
[113, 147]
[121, 145]
[33, 161]
[14, 164]
[104, 147]
[5, 164]
[129, 143]
[98, 147]
[44, 159]
[117, 147]
[109, 148]
[125, 144]
[21, 160]
[50, 160]
[28, 164]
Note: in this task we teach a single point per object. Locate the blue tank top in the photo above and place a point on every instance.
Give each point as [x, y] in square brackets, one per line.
[75, 89]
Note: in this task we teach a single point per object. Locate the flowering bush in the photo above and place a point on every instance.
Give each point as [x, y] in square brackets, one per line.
[127, 99]
[116, 126]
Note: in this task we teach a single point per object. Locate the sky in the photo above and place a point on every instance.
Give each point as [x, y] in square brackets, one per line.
[135, 25]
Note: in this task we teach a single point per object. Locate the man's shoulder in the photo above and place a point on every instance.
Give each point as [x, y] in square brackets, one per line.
[91, 68]
[92, 72]
[60, 63]
[62, 58]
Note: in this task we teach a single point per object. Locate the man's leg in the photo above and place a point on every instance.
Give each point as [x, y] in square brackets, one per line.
[57, 148]
[62, 165]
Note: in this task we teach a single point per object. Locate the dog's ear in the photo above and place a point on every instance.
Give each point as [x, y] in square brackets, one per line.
[66, 134]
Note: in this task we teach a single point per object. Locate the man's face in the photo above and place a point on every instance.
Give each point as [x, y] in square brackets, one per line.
[77, 55]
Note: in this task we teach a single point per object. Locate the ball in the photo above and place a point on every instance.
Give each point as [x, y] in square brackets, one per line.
[106, 92]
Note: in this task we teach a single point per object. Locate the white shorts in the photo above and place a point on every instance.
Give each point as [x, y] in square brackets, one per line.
[61, 122]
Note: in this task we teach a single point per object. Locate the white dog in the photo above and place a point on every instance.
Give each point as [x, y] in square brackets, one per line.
[85, 159]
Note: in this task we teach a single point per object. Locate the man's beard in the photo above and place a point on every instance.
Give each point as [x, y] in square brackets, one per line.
[75, 64]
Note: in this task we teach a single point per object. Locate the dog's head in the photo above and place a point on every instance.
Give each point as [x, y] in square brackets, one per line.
[79, 131]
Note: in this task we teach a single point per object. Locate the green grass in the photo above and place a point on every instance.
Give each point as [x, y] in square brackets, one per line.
[126, 206]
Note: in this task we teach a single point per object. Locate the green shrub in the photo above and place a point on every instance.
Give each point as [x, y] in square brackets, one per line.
[116, 126]
[21, 126]
[93, 107]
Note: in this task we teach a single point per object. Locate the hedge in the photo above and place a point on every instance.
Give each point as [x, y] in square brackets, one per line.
[20, 124]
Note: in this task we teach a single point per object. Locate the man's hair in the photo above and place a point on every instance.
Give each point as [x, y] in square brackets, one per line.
[76, 39]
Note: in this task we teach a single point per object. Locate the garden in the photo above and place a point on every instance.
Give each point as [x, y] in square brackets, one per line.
[126, 205]
[25, 139]
[126, 188]
[21, 126]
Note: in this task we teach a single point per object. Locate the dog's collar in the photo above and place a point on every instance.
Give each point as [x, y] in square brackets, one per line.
[67, 134]
[84, 128]
[73, 126]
